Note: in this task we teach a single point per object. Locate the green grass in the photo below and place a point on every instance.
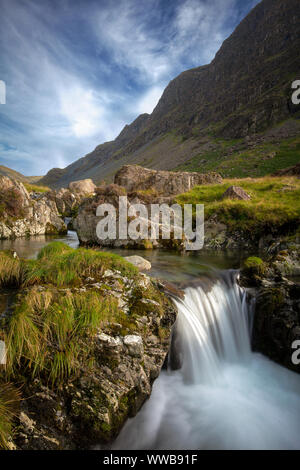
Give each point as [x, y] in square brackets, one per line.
[52, 334]
[60, 265]
[9, 399]
[274, 204]
[11, 270]
[35, 188]
[256, 162]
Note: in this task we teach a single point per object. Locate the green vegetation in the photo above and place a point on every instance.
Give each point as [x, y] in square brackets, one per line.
[274, 204]
[233, 160]
[35, 188]
[52, 333]
[60, 265]
[9, 399]
[254, 266]
[11, 272]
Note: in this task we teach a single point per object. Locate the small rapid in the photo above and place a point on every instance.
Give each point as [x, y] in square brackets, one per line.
[224, 396]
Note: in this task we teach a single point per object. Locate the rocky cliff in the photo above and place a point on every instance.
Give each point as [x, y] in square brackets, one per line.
[242, 93]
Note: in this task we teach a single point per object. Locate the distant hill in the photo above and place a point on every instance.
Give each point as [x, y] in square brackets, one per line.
[5, 171]
[234, 115]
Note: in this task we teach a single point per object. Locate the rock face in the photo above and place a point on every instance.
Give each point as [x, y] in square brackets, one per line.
[245, 90]
[235, 192]
[134, 177]
[86, 221]
[64, 200]
[139, 262]
[276, 323]
[82, 187]
[22, 216]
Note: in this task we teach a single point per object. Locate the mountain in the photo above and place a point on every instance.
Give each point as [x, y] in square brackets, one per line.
[234, 115]
[5, 171]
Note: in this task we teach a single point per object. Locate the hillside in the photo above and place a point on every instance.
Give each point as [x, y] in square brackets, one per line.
[234, 115]
[5, 171]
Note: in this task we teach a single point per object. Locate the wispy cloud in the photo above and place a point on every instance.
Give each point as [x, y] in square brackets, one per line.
[76, 74]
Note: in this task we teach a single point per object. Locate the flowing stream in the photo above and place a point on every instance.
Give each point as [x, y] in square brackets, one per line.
[223, 396]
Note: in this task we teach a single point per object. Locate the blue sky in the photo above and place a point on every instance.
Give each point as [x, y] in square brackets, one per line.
[77, 71]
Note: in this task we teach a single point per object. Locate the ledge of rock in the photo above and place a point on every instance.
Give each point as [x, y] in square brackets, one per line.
[168, 183]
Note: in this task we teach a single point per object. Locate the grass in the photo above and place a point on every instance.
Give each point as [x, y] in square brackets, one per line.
[260, 161]
[34, 188]
[60, 265]
[274, 204]
[11, 270]
[53, 334]
[9, 399]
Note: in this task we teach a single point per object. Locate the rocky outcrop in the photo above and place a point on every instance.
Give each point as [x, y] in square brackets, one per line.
[86, 221]
[21, 216]
[134, 177]
[276, 324]
[65, 201]
[82, 187]
[235, 192]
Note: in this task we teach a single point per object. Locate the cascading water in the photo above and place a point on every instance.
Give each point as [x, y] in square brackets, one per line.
[223, 396]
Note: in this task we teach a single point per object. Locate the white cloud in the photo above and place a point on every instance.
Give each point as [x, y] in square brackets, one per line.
[149, 100]
[66, 94]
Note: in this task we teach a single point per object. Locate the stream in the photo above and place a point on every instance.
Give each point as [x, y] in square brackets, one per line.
[224, 396]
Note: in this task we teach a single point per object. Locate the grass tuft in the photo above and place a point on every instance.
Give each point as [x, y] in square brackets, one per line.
[9, 400]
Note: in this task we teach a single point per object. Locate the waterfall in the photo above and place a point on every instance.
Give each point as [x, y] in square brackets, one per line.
[213, 325]
[223, 396]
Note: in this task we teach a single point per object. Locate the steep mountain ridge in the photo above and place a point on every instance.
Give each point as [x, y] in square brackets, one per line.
[243, 92]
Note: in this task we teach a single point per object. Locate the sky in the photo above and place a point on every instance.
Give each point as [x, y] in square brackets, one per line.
[77, 71]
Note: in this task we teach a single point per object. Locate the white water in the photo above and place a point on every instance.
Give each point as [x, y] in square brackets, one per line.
[224, 396]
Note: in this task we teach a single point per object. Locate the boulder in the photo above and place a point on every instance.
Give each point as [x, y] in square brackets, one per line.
[82, 187]
[141, 263]
[235, 192]
[21, 216]
[167, 183]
